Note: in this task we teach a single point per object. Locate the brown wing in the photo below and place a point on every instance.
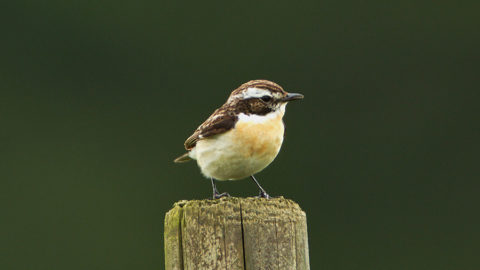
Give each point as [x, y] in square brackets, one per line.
[220, 121]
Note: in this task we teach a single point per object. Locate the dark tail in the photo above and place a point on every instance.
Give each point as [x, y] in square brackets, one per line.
[183, 158]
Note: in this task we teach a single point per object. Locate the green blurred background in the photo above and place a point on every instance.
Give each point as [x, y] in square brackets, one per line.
[97, 98]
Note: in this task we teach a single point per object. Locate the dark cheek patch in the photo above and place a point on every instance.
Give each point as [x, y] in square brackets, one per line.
[262, 110]
[253, 106]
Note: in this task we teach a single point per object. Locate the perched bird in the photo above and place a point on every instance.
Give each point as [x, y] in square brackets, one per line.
[243, 136]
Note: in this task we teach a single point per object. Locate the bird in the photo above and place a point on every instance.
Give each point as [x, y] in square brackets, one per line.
[243, 136]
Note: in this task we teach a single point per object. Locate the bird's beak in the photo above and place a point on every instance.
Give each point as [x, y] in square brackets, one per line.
[292, 96]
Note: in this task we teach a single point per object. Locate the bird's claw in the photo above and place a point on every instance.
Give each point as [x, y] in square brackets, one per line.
[263, 194]
[217, 195]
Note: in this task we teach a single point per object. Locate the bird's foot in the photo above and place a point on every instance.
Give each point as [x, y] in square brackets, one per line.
[217, 195]
[263, 194]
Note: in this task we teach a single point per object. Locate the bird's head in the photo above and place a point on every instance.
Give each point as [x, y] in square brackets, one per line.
[261, 97]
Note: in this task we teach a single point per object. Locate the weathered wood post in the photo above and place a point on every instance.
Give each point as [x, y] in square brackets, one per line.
[236, 233]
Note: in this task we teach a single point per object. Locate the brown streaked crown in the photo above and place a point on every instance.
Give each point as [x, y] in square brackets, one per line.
[225, 117]
[262, 84]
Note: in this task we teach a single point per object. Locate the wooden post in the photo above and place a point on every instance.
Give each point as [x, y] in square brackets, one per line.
[236, 233]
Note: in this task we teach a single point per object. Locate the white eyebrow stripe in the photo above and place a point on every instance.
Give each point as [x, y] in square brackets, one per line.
[253, 92]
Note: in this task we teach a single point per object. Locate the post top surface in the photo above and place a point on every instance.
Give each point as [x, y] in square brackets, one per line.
[251, 207]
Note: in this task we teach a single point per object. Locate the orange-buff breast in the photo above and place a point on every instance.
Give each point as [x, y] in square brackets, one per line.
[260, 140]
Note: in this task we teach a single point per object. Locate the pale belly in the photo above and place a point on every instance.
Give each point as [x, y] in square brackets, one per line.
[243, 151]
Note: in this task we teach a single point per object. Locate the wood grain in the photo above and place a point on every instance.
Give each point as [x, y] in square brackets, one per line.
[236, 233]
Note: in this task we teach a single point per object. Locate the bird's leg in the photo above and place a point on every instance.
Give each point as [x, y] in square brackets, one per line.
[216, 194]
[263, 193]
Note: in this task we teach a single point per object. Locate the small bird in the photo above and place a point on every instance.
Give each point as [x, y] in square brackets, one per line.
[243, 136]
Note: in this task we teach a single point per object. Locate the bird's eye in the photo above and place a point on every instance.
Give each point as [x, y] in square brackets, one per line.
[266, 98]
